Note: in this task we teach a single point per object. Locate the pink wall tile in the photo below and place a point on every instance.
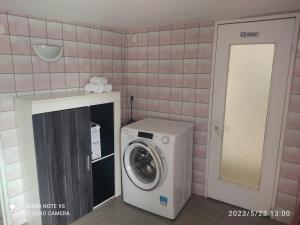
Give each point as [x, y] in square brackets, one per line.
[177, 66]
[4, 22]
[202, 95]
[7, 120]
[205, 50]
[164, 80]
[142, 92]
[189, 80]
[142, 39]
[106, 37]
[288, 186]
[39, 66]
[201, 110]
[190, 66]
[18, 25]
[22, 64]
[153, 52]
[58, 80]
[206, 34]
[189, 95]
[106, 66]
[83, 34]
[37, 28]
[142, 53]
[285, 201]
[84, 65]
[191, 35]
[71, 64]
[69, 32]
[153, 80]
[153, 38]
[142, 79]
[176, 94]
[204, 66]
[201, 124]
[153, 92]
[84, 50]
[41, 81]
[199, 151]
[95, 36]
[106, 52]
[164, 106]
[290, 171]
[117, 39]
[7, 83]
[165, 37]
[178, 37]
[54, 30]
[6, 65]
[57, 66]
[188, 109]
[164, 93]
[153, 105]
[165, 52]
[70, 48]
[5, 44]
[291, 154]
[200, 137]
[294, 103]
[177, 51]
[132, 79]
[164, 66]
[293, 121]
[175, 107]
[203, 81]
[153, 66]
[72, 80]
[20, 45]
[142, 104]
[191, 51]
[132, 53]
[24, 82]
[291, 138]
[96, 51]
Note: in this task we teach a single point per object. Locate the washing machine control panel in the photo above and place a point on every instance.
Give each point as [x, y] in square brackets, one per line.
[157, 138]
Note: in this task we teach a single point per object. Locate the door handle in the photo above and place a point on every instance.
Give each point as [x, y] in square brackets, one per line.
[88, 163]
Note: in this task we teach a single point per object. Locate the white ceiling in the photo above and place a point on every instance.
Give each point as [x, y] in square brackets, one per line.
[145, 13]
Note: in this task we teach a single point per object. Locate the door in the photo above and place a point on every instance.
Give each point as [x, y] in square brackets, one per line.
[62, 144]
[250, 82]
[143, 165]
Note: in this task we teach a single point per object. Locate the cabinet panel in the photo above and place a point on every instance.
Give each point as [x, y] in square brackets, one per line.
[103, 180]
[62, 142]
[104, 116]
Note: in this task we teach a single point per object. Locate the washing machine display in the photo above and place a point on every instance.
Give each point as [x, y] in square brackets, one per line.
[143, 164]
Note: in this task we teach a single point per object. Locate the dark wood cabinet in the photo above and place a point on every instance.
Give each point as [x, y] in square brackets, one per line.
[62, 146]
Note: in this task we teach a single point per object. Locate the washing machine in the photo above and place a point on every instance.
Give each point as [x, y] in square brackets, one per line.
[157, 165]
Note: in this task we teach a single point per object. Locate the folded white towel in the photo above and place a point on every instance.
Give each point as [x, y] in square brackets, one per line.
[98, 80]
[96, 88]
[107, 88]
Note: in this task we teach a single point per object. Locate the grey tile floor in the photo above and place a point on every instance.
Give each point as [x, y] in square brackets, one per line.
[197, 211]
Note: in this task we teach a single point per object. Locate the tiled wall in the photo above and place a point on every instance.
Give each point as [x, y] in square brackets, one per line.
[87, 51]
[167, 70]
[168, 73]
[169, 76]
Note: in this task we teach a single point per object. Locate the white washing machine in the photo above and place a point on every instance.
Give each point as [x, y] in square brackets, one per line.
[157, 165]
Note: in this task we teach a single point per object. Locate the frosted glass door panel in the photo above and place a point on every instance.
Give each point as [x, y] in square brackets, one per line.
[246, 108]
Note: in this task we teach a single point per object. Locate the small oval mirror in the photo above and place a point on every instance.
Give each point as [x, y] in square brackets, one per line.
[48, 53]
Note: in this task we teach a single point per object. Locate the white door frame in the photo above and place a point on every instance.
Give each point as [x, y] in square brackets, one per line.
[287, 95]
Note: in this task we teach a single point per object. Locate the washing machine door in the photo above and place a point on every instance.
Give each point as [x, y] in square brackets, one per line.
[143, 163]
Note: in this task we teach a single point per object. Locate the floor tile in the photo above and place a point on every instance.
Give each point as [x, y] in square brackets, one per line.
[239, 220]
[146, 219]
[191, 219]
[271, 222]
[121, 211]
[209, 210]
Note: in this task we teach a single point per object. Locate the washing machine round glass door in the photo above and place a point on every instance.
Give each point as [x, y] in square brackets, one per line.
[143, 164]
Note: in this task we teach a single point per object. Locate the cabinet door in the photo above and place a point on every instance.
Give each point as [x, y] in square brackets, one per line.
[62, 142]
[103, 180]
